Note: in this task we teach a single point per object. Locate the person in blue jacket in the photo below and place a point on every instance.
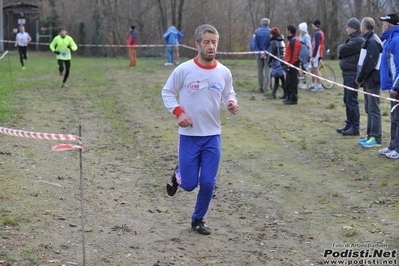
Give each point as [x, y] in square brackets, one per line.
[172, 38]
[389, 77]
[261, 42]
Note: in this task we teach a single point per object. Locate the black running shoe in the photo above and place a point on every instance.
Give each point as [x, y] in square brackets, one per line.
[172, 186]
[200, 226]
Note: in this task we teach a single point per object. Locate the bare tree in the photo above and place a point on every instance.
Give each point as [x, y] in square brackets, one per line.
[108, 21]
[163, 14]
[180, 14]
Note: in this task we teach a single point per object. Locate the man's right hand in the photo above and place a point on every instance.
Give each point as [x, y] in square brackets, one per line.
[57, 52]
[184, 120]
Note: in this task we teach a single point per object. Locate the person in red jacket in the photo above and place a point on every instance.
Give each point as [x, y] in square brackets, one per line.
[131, 42]
[291, 56]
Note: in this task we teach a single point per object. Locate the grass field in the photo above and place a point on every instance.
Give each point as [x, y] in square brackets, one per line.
[289, 187]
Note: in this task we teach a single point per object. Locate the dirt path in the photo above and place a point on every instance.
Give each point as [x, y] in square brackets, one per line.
[289, 187]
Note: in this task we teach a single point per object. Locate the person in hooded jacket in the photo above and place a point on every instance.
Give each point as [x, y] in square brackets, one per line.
[349, 54]
[277, 48]
[389, 77]
[172, 37]
[305, 38]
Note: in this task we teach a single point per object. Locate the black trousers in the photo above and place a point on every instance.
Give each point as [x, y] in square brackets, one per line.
[291, 81]
[67, 67]
[22, 54]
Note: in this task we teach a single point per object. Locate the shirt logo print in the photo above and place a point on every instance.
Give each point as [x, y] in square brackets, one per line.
[194, 85]
[216, 86]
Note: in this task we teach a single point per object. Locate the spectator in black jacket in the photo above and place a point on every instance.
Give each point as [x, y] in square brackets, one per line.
[349, 53]
[368, 75]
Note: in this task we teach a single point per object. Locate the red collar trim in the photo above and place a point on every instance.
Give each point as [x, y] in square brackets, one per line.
[205, 67]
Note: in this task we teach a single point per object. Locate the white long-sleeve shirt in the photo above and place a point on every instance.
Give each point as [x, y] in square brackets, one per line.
[22, 38]
[201, 90]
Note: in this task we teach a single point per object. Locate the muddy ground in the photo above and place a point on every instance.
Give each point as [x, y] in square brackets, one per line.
[289, 187]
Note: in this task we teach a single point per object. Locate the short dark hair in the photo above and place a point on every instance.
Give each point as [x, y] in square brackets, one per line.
[132, 27]
[292, 29]
[317, 23]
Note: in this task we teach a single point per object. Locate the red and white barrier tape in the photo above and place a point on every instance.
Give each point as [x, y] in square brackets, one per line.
[3, 55]
[232, 53]
[335, 83]
[66, 147]
[48, 136]
[138, 46]
[37, 135]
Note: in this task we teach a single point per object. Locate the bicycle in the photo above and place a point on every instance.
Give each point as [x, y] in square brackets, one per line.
[326, 72]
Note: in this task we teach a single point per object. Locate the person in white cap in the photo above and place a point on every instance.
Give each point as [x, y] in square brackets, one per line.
[304, 37]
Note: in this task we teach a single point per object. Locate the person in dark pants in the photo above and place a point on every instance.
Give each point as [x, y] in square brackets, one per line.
[277, 48]
[349, 53]
[368, 75]
[62, 45]
[21, 41]
[260, 42]
[389, 73]
[291, 56]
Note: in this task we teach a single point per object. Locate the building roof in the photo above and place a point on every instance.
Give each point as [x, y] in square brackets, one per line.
[14, 4]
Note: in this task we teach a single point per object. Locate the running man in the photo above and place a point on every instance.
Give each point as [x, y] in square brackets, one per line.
[202, 86]
[21, 41]
[62, 45]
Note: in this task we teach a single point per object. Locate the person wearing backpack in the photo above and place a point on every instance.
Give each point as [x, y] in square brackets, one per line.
[349, 54]
[277, 48]
[291, 56]
[305, 39]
